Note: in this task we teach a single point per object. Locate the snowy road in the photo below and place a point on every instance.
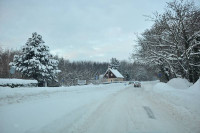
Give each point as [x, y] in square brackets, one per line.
[105, 109]
[124, 112]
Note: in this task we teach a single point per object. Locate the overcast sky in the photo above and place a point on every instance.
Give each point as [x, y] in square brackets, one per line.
[94, 30]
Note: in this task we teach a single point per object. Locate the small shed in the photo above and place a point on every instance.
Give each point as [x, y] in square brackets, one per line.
[113, 75]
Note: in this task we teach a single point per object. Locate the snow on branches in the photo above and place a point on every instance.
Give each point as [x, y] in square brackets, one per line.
[114, 63]
[35, 60]
[173, 42]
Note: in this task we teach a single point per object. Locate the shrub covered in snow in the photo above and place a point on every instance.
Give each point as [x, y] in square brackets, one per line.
[36, 61]
[17, 82]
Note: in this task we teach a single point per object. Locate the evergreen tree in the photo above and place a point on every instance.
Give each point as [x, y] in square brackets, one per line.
[114, 63]
[127, 76]
[35, 61]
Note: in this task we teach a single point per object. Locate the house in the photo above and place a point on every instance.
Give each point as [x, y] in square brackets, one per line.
[113, 75]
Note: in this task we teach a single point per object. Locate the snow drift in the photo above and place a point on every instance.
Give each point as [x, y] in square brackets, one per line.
[182, 102]
[195, 87]
[18, 82]
[187, 97]
[179, 83]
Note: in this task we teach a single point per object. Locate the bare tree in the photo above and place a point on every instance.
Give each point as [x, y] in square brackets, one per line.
[171, 43]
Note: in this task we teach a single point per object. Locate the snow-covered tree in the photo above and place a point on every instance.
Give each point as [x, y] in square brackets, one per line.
[114, 63]
[172, 42]
[35, 61]
[127, 76]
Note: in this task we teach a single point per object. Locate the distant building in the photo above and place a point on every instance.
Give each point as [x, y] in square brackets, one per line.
[113, 75]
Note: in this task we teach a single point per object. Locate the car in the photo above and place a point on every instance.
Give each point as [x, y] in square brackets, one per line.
[137, 84]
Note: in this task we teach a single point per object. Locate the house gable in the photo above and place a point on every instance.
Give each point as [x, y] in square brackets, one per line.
[112, 73]
[109, 74]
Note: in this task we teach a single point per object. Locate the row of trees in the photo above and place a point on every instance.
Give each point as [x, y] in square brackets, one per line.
[79, 70]
[34, 61]
[137, 71]
[172, 44]
[87, 70]
[70, 71]
[6, 56]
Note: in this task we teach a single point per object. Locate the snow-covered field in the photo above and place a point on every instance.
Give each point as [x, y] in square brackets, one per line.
[112, 108]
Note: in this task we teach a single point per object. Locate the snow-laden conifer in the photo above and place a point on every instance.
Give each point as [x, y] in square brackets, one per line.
[35, 60]
[114, 63]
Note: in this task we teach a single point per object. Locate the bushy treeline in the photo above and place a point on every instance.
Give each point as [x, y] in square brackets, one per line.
[137, 71]
[88, 70]
[172, 44]
[6, 56]
[79, 70]
[71, 71]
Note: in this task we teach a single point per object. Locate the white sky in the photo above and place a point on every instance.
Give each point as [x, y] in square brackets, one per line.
[94, 30]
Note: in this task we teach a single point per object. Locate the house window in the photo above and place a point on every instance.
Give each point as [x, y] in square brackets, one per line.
[111, 74]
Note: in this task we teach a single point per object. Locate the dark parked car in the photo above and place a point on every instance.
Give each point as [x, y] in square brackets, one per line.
[137, 84]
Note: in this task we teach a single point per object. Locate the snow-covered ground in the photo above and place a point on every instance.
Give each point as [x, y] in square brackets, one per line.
[23, 82]
[31, 109]
[179, 100]
[112, 108]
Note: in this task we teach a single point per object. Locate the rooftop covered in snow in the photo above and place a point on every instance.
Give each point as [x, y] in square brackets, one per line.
[115, 72]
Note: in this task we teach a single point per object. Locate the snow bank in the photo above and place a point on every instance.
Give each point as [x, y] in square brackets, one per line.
[196, 87]
[186, 101]
[179, 83]
[18, 82]
[188, 97]
[181, 102]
